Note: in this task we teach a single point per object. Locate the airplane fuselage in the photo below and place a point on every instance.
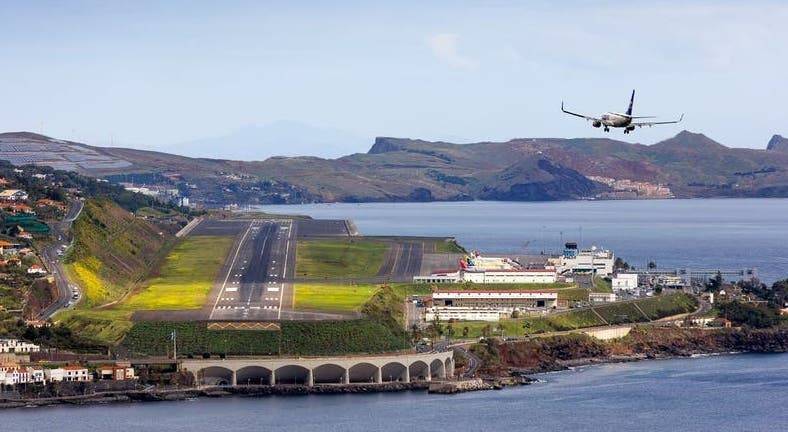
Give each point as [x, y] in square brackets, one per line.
[611, 119]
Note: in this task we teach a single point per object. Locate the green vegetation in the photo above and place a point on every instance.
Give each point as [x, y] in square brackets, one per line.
[331, 297]
[749, 314]
[667, 305]
[339, 258]
[449, 246]
[382, 330]
[112, 251]
[9, 299]
[573, 295]
[602, 285]
[186, 277]
[295, 338]
[104, 327]
[183, 282]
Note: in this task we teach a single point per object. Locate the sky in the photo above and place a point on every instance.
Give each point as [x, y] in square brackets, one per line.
[156, 74]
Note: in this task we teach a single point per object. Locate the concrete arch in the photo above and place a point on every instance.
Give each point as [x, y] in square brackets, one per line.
[253, 375]
[215, 376]
[329, 373]
[438, 369]
[394, 371]
[293, 374]
[364, 373]
[419, 371]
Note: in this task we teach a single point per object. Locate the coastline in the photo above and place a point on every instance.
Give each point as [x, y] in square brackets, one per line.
[515, 378]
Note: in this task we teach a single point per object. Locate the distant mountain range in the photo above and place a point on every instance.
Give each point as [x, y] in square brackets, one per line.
[397, 169]
[280, 138]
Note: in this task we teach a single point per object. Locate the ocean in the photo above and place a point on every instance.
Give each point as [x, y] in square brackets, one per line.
[745, 392]
[695, 234]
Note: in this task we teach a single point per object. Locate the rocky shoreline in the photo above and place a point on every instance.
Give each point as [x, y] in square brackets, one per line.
[506, 364]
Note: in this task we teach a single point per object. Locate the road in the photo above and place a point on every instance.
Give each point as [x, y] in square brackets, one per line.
[473, 361]
[61, 232]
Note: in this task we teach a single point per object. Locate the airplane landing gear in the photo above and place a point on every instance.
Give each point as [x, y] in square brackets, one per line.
[607, 129]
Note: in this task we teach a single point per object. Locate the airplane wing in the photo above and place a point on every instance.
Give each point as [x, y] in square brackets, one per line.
[578, 115]
[641, 124]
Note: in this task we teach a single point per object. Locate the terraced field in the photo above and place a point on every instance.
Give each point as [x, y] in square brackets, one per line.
[616, 313]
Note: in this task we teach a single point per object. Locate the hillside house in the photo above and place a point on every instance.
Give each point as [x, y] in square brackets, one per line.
[76, 373]
[17, 346]
[13, 195]
[116, 372]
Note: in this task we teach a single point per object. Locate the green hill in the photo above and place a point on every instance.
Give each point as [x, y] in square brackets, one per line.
[112, 251]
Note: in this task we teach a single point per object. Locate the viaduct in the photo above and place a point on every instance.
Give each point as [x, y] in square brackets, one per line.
[321, 370]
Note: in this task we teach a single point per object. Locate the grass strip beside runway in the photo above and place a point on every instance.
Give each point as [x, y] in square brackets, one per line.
[332, 298]
[343, 258]
[186, 277]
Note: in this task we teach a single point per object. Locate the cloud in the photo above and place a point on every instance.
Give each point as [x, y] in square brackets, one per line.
[445, 47]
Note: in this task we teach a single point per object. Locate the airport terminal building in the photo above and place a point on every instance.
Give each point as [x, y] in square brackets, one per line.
[487, 305]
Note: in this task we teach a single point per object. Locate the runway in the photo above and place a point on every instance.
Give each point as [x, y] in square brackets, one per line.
[253, 283]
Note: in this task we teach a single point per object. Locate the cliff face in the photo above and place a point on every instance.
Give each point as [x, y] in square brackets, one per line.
[778, 144]
[553, 353]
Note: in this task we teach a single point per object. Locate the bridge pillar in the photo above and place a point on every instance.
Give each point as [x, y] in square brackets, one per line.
[346, 376]
[429, 373]
[234, 379]
[379, 375]
[450, 372]
[310, 378]
[406, 377]
[272, 378]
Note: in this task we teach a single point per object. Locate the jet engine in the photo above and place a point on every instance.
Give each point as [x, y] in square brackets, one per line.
[596, 123]
[629, 129]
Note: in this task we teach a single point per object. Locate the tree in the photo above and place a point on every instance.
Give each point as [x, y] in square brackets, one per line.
[715, 284]
[487, 331]
[620, 264]
[652, 265]
[749, 314]
[465, 331]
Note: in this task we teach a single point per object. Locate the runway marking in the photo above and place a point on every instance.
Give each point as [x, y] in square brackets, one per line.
[284, 270]
[273, 289]
[232, 263]
[231, 289]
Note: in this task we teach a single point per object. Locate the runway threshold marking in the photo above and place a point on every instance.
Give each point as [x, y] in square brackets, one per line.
[229, 270]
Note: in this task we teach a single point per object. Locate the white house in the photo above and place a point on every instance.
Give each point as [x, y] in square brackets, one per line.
[55, 375]
[76, 373]
[36, 375]
[601, 297]
[13, 195]
[625, 282]
[463, 314]
[17, 346]
[36, 269]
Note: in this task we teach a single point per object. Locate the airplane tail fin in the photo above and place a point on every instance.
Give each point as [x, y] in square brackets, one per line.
[631, 101]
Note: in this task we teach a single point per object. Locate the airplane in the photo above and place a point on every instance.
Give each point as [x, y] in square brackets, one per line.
[619, 120]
